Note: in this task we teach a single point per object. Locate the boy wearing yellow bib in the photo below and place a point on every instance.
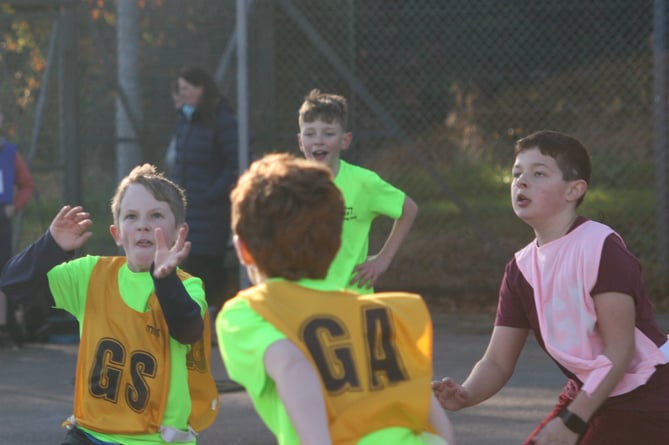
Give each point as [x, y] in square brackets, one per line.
[322, 365]
[142, 373]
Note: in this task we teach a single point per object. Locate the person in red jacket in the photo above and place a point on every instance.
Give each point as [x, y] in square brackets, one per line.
[16, 189]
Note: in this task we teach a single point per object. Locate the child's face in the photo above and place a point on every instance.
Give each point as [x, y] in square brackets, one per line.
[323, 142]
[140, 214]
[538, 190]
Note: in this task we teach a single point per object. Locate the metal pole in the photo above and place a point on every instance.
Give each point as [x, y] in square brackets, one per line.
[353, 154]
[242, 102]
[128, 150]
[69, 103]
[660, 133]
[226, 58]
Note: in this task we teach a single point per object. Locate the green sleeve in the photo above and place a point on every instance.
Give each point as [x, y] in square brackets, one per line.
[243, 338]
[68, 283]
[384, 198]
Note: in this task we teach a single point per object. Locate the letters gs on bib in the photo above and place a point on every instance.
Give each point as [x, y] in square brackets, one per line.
[107, 372]
[112, 361]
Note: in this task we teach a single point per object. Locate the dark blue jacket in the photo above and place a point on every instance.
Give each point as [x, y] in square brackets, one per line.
[206, 167]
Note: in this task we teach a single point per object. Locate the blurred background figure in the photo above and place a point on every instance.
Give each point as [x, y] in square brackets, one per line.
[16, 189]
[205, 166]
[171, 152]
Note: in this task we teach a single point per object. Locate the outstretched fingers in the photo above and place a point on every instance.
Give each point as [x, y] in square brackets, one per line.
[167, 258]
[181, 247]
[70, 227]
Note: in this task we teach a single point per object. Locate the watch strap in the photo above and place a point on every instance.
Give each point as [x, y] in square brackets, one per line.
[573, 422]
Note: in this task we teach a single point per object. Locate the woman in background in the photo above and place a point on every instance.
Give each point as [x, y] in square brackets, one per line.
[205, 165]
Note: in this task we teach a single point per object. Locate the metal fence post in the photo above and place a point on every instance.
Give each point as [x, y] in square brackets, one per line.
[660, 130]
[69, 103]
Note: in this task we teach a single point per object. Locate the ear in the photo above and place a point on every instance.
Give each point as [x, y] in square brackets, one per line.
[116, 234]
[346, 141]
[576, 190]
[243, 254]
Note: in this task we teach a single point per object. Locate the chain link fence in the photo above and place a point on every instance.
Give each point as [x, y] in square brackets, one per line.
[438, 91]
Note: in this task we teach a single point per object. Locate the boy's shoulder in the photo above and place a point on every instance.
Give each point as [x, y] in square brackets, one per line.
[349, 167]
[83, 262]
[360, 180]
[585, 234]
[348, 171]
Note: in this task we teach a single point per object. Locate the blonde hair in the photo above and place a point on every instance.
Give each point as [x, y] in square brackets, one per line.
[160, 187]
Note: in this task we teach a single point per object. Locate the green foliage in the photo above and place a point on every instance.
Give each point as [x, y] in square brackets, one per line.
[479, 183]
[613, 168]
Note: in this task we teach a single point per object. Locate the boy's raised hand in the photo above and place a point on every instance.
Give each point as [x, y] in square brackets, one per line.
[167, 258]
[450, 394]
[69, 228]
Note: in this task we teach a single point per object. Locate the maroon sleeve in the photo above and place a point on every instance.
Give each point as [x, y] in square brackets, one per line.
[513, 295]
[25, 185]
[619, 270]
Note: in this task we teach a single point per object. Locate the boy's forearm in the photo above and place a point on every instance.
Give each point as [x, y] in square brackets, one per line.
[182, 313]
[484, 381]
[616, 324]
[400, 230]
[25, 273]
[495, 368]
[300, 391]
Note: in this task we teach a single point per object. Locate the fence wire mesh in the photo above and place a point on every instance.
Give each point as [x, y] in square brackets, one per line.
[438, 91]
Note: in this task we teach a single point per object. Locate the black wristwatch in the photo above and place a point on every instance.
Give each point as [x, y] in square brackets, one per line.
[573, 422]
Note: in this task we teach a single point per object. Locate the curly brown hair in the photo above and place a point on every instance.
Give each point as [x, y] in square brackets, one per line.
[289, 213]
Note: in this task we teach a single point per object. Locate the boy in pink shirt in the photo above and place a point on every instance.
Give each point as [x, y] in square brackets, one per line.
[581, 292]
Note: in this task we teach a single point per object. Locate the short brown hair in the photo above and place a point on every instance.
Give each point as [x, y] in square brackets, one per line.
[571, 156]
[289, 213]
[160, 187]
[326, 107]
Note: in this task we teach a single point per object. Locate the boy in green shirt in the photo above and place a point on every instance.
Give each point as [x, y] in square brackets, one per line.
[323, 120]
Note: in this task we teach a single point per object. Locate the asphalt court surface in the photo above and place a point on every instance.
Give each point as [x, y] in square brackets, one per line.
[36, 389]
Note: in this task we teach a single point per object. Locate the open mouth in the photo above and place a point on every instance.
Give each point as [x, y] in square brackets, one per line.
[319, 155]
